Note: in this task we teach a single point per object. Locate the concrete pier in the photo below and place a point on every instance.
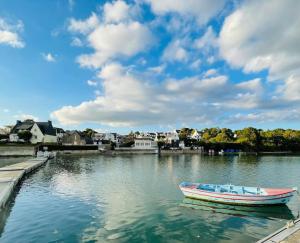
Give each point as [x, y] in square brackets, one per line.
[290, 233]
[12, 174]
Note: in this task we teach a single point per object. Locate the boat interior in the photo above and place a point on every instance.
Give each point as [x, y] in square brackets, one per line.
[241, 190]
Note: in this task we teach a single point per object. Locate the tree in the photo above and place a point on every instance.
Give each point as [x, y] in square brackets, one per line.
[89, 132]
[249, 136]
[224, 136]
[25, 135]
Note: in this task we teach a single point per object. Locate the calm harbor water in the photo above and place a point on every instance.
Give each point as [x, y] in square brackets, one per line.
[136, 199]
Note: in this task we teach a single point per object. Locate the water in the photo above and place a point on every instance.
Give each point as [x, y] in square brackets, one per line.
[136, 199]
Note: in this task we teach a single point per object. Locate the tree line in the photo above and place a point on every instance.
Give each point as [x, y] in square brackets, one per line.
[247, 139]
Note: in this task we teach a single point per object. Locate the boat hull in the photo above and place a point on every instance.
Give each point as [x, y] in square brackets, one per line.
[237, 200]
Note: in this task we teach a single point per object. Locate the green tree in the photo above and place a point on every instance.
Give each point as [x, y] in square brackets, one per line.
[89, 132]
[224, 136]
[25, 135]
[249, 136]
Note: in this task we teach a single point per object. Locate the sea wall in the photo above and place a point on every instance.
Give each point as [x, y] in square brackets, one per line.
[17, 150]
[11, 175]
[181, 151]
[78, 152]
[133, 151]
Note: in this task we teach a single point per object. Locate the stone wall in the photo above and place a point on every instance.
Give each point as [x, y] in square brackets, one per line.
[17, 150]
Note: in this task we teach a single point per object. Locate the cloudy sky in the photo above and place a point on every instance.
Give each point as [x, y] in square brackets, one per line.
[151, 64]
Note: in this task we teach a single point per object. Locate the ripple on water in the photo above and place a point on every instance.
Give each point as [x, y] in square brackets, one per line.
[136, 199]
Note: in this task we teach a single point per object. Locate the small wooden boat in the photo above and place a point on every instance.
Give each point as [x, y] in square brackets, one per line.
[237, 195]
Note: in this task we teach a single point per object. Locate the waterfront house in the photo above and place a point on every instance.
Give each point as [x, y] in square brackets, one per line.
[41, 132]
[73, 138]
[59, 134]
[172, 137]
[144, 143]
[195, 135]
[99, 138]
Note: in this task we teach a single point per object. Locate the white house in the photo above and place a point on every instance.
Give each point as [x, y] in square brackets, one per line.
[113, 137]
[195, 135]
[42, 132]
[144, 143]
[172, 137]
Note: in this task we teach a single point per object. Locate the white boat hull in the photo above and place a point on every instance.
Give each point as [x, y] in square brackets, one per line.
[237, 200]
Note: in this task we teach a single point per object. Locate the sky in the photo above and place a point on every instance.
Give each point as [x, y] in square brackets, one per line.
[151, 65]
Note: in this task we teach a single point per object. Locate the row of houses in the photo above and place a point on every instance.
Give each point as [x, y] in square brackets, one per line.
[45, 132]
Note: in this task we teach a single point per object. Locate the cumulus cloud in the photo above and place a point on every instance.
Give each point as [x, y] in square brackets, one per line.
[130, 99]
[92, 82]
[114, 35]
[76, 41]
[265, 35]
[254, 37]
[116, 11]
[10, 33]
[202, 10]
[25, 117]
[266, 116]
[210, 72]
[48, 57]
[175, 51]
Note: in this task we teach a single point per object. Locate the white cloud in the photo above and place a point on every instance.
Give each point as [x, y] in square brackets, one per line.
[291, 89]
[76, 42]
[202, 10]
[157, 69]
[5, 110]
[112, 34]
[208, 40]
[210, 72]
[25, 117]
[254, 84]
[84, 26]
[265, 35]
[266, 116]
[116, 11]
[130, 99]
[111, 40]
[196, 64]
[92, 82]
[175, 51]
[10, 34]
[48, 57]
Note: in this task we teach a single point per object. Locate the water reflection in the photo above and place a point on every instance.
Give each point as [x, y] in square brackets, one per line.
[278, 211]
[136, 198]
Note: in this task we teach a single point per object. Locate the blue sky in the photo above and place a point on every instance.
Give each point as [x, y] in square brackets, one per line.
[150, 64]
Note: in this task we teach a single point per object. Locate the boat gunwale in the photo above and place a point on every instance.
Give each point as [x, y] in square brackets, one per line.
[240, 199]
[240, 195]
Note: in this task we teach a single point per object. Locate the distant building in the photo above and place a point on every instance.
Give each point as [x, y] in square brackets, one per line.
[98, 138]
[42, 132]
[59, 133]
[144, 143]
[73, 138]
[195, 135]
[172, 137]
[5, 130]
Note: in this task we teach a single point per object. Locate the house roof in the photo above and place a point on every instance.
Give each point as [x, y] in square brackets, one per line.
[59, 130]
[45, 127]
[25, 125]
